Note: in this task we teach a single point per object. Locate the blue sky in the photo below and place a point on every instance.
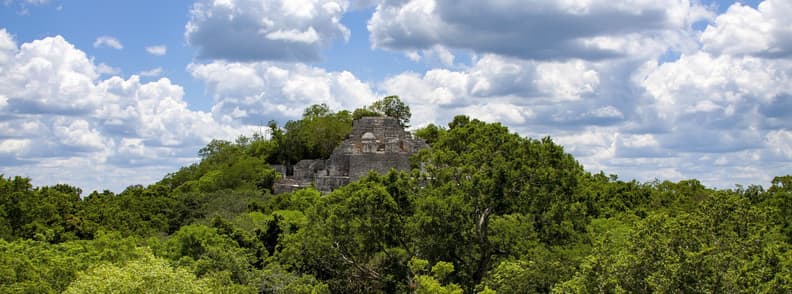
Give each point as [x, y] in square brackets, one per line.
[105, 94]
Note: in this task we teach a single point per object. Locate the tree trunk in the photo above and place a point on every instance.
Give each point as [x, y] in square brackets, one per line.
[482, 229]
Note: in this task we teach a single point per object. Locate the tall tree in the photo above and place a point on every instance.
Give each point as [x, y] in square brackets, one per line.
[477, 171]
[393, 106]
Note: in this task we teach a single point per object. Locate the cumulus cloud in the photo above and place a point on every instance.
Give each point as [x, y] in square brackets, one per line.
[566, 81]
[724, 106]
[719, 112]
[63, 123]
[49, 76]
[765, 31]
[108, 41]
[501, 89]
[719, 92]
[540, 30]
[282, 30]
[254, 93]
[158, 50]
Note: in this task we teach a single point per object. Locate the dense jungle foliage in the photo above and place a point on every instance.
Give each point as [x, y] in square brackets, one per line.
[490, 212]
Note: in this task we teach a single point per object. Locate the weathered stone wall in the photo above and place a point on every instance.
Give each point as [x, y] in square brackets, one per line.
[338, 164]
[381, 127]
[306, 169]
[361, 164]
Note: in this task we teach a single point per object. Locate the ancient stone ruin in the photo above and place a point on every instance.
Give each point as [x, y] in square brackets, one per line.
[374, 144]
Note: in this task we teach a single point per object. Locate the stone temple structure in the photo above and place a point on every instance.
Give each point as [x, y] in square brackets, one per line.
[374, 144]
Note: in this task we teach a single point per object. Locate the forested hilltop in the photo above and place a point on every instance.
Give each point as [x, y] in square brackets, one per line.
[489, 211]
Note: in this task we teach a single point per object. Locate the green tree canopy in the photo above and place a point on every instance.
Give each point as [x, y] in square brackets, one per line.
[393, 106]
[487, 211]
[146, 275]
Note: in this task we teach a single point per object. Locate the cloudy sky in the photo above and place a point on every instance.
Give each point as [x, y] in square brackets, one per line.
[105, 94]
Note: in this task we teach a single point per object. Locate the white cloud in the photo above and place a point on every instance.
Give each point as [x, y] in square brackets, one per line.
[607, 112]
[104, 69]
[543, 30]
[154, 72]
[724, 111]
[413, 55]
[729, 87]
[158, 50]
[284, 30]
[276, 91]
[63, 123]
[567, 81]
[780, 142]
[108, 41]
[515, 90]
[498, 112]
[14, 145]
[493, 75]
[308, 37]
[8, 47]
[51, 76]
[594, 147]
[742, 29]
[436, 54]
[77, 133]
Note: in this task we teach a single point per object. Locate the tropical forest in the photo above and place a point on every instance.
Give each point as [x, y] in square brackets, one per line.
[483, 210]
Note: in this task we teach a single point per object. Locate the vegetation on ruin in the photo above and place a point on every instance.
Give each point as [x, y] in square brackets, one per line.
[490, 212]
